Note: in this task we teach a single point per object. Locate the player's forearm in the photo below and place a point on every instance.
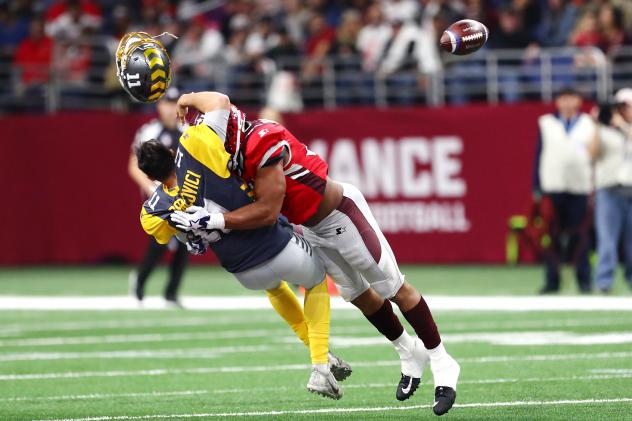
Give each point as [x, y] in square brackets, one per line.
[252, 216]
[145, 184]
[205, 101]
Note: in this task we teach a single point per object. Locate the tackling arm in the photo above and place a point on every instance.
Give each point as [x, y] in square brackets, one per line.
[270, 192]
[204, 102]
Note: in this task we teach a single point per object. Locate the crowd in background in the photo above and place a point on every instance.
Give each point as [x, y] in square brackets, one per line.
[235, 39]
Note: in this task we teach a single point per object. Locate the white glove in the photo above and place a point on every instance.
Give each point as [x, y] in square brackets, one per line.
[197, 218]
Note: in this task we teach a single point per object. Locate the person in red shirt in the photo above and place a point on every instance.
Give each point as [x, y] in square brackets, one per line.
[290, 179]
[33, 55]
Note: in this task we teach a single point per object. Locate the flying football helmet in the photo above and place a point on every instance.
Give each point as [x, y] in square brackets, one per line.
[143, 67]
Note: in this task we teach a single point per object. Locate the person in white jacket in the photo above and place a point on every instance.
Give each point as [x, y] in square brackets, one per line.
[562, 175]
[611, 151]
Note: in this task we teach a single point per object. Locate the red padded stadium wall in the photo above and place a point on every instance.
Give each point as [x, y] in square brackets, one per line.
[442, 182]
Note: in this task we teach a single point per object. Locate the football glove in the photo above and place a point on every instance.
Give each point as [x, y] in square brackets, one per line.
[197, 218]
[196, 245]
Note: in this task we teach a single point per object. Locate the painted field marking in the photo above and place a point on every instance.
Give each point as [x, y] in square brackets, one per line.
[143, 337]
[224, 303]
[177, 353]
[17, 328]
[447, 328]
[318, 411]
[293, 367]
[516, 338]
[96, 396]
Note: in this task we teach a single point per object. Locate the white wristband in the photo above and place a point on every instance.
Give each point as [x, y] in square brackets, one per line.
[216, 221]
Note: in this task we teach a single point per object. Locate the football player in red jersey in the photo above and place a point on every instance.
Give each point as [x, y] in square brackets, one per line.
[290, 179]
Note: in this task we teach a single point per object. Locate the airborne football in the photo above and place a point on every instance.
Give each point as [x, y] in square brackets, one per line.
[288, 210]
[464, 37]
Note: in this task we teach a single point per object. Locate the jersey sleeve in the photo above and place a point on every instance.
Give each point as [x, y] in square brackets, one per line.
[217, 120]
[156, 227]
[267, 148]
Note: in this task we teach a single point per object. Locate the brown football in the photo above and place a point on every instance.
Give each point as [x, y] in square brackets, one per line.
[464, 37]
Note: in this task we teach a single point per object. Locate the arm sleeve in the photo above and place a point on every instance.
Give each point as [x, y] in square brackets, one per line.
[217, 120]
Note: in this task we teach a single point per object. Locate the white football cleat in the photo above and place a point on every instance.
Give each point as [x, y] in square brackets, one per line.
[324, 384]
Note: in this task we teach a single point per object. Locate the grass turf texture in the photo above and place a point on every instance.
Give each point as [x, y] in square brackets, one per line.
[133, 347]
[204, 280]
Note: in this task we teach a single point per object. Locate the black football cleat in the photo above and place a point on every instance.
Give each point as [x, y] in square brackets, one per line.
[406, 387]
[339, 367]
[444, 399]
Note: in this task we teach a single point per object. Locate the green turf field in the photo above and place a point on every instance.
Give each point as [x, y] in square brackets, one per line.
[204, 280]
[178, 364]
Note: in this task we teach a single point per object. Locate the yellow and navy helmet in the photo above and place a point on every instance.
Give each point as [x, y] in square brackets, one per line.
[143, 66]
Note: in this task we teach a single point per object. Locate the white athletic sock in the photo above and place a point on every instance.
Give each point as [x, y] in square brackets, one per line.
[321, 368]
[437, 353]
[404, 345]
[445, 369]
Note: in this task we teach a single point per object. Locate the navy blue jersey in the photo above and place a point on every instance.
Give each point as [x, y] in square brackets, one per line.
[204, 180]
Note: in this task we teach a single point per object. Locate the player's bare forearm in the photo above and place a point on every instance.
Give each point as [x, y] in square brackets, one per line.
[270, 192]
[205, 101]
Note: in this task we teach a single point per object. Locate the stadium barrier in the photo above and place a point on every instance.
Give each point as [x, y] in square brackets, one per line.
[82, 76]
[441, 181]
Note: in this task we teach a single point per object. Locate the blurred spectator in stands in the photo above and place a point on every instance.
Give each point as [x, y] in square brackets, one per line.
[351, 84]
[587, 33]
[197, 55]
[284, 47]
[400, 10]
[158, 16]
[373, 38]
[319, 41]
[34, 55]
[295, 18]
[611, 27]
[510, 34]
[562, 175]
[611, 150]
[557, 23]
[530, 12]
[13, 29]
[68, 19]
[262, 39]
[409, 53]
[72, 61]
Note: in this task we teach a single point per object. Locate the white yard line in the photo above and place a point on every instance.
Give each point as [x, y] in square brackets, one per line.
[318, 411]
[140, 323]
[143, 337]
[177, 353]
[96, 396]
[294, 367]
[447, 328]
[447, 303]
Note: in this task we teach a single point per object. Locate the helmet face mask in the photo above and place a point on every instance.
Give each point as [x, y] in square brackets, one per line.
[143, 67]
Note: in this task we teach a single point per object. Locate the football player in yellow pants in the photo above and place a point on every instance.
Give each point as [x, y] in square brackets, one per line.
[259, 259]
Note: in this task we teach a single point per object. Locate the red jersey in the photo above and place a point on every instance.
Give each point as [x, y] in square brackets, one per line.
[305, 172]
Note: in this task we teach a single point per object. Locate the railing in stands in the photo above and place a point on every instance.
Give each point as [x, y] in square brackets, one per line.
[81, 76]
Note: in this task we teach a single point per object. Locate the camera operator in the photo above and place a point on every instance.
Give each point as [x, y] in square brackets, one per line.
[611, 151]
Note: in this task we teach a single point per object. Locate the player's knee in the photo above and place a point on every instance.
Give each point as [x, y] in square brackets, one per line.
[406, 297]
[368, 302]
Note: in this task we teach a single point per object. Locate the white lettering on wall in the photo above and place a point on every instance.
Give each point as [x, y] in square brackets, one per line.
[408, 168]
